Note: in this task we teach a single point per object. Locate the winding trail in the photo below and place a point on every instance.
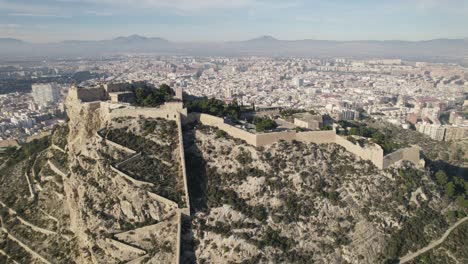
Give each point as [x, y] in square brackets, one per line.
[433, 244]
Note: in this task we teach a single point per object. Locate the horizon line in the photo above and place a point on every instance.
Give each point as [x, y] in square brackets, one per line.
[266, 37]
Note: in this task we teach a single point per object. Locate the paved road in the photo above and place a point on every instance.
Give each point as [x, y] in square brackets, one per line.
[433, 244]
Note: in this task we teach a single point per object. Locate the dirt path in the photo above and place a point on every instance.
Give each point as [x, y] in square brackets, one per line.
[433, 244]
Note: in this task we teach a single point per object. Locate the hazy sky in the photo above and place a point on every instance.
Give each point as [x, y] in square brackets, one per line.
[220, 20]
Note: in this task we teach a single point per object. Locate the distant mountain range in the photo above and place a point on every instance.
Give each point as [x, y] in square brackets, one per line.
[437, 49]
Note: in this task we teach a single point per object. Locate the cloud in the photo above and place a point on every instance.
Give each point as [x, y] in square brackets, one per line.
[98, 13]
[428, 5]
[174, 4]
[30, 10]
[9, 26]
[25, 8]
[37, 15]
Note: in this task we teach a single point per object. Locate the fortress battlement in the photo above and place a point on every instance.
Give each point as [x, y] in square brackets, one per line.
[98, 98]
[374, 153]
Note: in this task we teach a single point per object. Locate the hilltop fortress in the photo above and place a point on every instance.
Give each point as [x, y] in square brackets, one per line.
[112, 101]
[93, 109]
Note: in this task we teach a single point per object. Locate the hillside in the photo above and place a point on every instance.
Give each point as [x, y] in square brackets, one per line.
[106, 189]
[293, 202]
[66, 203]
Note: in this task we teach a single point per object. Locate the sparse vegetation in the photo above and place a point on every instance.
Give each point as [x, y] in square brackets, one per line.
[215, 107]
[153, 97]
[264, 124]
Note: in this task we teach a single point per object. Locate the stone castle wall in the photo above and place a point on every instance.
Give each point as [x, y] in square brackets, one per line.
[218, 122]
[87, 94]
[317, 137]
[169, 111]
[123, 86]
[131, 179]
[411, 154]
[373, 153]
[392, 158]
[182, 161]
[179, 238]
[9, 143]
[39, 136]
[270, 138]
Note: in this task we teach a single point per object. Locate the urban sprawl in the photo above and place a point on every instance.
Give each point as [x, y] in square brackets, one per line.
[427, 97]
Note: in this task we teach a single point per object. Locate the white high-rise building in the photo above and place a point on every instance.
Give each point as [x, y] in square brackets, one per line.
[298, 82]
[45, 93]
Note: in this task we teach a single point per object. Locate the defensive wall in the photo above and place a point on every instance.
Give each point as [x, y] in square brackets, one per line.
[39, 136]
[182, 160]
[9, 143]
[96, 99]
[14, 143]
[175, 111]
[317, 137]
[87, 94]
[373, 153]
[122, 86]
[179, 237]
[218, 122]
[131, 179]
[411, 154]
[169, 111]
[117, 146]
[133, 158]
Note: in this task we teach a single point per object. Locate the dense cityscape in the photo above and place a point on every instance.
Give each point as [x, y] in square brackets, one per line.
[427, 97]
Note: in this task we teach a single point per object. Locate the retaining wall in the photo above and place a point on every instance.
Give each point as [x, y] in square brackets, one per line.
[163, 200]
[116, 145]
[56, 169]
[128, 177]
[142, 183]
[134, 157]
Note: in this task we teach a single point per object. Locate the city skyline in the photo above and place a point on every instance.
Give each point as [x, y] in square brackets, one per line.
[217, 21]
